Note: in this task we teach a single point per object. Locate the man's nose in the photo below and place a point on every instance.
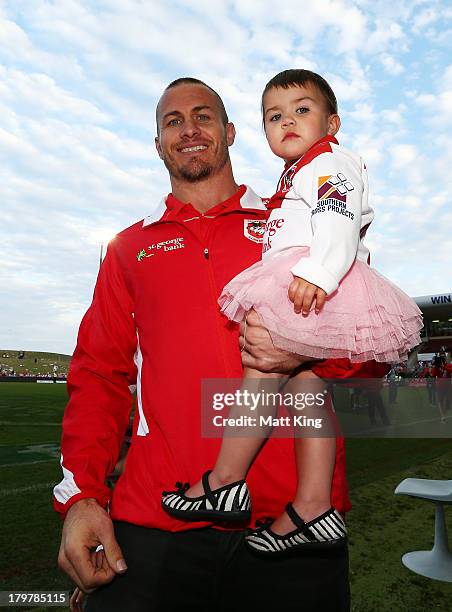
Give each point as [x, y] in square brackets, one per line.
[189, 129]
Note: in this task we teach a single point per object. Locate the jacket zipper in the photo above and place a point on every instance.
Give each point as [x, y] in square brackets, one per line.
[213, 287]
[214, 293]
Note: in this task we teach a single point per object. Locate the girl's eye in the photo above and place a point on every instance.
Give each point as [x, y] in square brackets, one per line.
[302, 109]
[275, 117]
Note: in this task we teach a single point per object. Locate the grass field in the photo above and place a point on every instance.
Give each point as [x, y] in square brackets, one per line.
[411, 417]
[382, 526]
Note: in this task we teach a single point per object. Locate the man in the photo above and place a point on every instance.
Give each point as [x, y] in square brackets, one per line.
[155, 321]
[393, 384]
[442, 374]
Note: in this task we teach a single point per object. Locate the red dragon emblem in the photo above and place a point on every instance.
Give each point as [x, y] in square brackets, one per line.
[254, 229]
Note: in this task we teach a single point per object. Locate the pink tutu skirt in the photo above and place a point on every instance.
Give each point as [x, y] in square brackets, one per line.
[366, 318]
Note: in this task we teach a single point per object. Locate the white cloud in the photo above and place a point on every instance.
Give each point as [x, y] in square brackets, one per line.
[16, 46]
[351, 83]
[403, 155]
[425, 18]
[391, 65]
[363, 112]
[339, 22]
[44, 97]
[394, 116]
[435, 107]
[447, 77]
[384, 35]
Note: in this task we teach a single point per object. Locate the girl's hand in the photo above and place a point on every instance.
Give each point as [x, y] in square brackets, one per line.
[302, 294]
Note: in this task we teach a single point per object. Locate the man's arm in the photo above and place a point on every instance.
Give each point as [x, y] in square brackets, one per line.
[94, 423]
[100, 402]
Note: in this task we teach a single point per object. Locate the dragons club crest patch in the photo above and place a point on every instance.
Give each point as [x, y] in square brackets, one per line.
[254, 229]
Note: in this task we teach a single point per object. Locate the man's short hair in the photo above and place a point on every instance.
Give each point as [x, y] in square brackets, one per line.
[193, 81]
[294, 77]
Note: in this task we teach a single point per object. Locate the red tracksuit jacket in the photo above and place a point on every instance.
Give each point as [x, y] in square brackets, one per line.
[155, 322]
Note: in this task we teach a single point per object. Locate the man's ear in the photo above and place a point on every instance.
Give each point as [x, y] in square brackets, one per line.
[230, 133]
[334, 123]
[158, 147]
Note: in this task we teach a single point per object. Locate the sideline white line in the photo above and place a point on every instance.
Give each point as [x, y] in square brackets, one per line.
[35, 487]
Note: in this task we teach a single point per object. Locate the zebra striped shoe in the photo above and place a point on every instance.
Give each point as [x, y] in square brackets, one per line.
[325, 531]
[228, 503]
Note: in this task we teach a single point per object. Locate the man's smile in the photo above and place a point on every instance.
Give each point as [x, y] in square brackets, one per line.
[192, 148]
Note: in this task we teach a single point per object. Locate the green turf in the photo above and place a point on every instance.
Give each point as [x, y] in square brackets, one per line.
[30, 416]
[43, 365]
[371, 460]
[382, 526]
[19, 399]
[412, 416]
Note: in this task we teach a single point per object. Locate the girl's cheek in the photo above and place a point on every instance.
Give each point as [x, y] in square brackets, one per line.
[270, 134]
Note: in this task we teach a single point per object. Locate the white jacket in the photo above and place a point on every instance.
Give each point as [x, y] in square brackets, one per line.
[323, 198]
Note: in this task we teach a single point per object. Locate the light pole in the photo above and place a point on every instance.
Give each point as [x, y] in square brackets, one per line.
[102, 237]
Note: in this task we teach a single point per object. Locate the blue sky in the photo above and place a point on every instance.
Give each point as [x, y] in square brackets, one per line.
[79, 81]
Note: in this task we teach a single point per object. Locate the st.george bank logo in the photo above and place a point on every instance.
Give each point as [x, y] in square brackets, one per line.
[254, 229]
[161, 247]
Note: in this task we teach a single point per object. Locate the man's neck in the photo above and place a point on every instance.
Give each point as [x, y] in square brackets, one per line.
[205, 194]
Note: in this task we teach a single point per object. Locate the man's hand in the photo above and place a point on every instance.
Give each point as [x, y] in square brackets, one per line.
[260, 353]
[76, 600]
[302, 294]
[87, 525]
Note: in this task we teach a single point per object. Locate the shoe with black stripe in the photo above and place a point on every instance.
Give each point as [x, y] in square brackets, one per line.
[230, 503]
[326, 531]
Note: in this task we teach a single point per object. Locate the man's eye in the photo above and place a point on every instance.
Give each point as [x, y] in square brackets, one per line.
[173, 122]
[203, 117]
[302, 109]
[275, 117]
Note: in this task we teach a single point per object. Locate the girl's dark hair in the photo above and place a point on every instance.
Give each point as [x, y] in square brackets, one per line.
[289, 78]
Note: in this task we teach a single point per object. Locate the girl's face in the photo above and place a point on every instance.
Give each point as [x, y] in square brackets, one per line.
[295, 118]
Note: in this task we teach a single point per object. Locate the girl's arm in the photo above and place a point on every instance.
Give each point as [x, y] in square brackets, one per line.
[336, 185]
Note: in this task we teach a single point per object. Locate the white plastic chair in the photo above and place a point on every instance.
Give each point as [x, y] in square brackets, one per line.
[435, 563]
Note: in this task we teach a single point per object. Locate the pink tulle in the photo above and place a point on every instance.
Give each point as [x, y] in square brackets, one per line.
[366, 318]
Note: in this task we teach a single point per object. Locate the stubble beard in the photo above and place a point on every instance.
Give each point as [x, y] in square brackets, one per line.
[196, 169]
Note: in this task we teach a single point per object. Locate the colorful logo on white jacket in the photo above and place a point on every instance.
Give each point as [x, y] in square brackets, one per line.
[333, 187]
[254, 229]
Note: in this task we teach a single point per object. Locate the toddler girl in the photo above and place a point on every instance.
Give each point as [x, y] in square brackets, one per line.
[317, 296]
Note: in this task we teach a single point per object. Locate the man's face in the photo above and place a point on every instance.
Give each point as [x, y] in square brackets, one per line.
[193, 141]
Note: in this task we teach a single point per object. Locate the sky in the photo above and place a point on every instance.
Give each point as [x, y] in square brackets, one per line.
[79, 82]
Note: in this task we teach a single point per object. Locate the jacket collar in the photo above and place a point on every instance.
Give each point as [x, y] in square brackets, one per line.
[170, 208]
[313, 149]
[290, 169]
